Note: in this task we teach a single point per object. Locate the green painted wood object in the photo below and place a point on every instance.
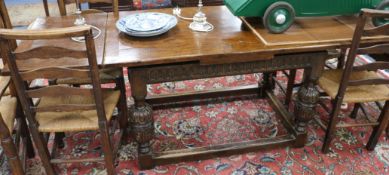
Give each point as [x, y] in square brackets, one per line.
[278, 15]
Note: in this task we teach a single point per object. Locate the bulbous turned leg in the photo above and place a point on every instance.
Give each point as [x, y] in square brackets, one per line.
[141, 118]
[143, 130]
[307, 98]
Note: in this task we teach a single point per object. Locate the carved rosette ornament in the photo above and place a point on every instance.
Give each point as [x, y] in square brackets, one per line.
[142, 121]
[307, 99]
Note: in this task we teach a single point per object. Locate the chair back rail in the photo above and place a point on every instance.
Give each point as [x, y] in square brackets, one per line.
[48, 52]
[62, 6]
[380, 48]
[51, 52]
[383, 30]
[376, 49]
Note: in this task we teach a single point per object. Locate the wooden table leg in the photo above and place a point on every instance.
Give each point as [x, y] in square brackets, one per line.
[141, 118]
[307, 99]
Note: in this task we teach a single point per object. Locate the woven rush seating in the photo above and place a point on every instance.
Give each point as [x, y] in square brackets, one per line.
[330, 82]
[75, 120]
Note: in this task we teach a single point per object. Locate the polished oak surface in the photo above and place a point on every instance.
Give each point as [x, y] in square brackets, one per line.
[181, 44]
[309, 31]
[231, 41]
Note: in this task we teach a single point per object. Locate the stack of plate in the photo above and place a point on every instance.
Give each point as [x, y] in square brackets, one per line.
[146, 24]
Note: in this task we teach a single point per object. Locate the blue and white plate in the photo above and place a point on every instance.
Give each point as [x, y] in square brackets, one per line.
[145, 24]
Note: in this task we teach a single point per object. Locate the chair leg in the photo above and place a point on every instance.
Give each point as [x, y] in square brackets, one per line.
[387, 131]
[107, 148]
[355, 110]
[59, 136]
[383, 122]
[41, 146]
[25, 133]
[10, 149]
[289, 88]
[123, 115]
[331, 128]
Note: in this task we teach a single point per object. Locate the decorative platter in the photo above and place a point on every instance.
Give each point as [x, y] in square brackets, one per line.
[146, 24]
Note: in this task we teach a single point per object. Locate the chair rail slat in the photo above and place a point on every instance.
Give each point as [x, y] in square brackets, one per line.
[380, 30]
[46, 52]
[58, 91]
[54, 33]
[65, 108]
[372, 81]
[372, 66]
[54, 73]
[375, 13]
[376, 49]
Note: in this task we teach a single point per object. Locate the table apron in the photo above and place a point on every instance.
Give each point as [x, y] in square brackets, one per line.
[190, 71]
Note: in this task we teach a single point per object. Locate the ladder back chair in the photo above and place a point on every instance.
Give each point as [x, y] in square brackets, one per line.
[13, 124]
[115, 6]
[62, 108]
[359, 84]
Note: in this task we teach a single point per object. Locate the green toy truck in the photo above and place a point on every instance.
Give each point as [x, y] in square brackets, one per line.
[278, 15]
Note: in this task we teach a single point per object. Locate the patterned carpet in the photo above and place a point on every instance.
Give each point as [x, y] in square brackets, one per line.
[226, 121]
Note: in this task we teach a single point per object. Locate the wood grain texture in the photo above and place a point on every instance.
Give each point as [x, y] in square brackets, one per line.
[54, 73]
[99, 20]
[312, 31]
[50, 52]
[228, 43]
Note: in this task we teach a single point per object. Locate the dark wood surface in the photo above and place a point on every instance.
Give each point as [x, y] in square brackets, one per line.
[309, 31]
[180, 44]
[228, 43]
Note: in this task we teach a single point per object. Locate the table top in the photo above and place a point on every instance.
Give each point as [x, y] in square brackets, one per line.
[227, 43]
[311, 31]
[181, 44]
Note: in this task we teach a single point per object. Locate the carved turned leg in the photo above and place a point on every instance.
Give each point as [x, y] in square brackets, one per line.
[307, 99]
[141, 118]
